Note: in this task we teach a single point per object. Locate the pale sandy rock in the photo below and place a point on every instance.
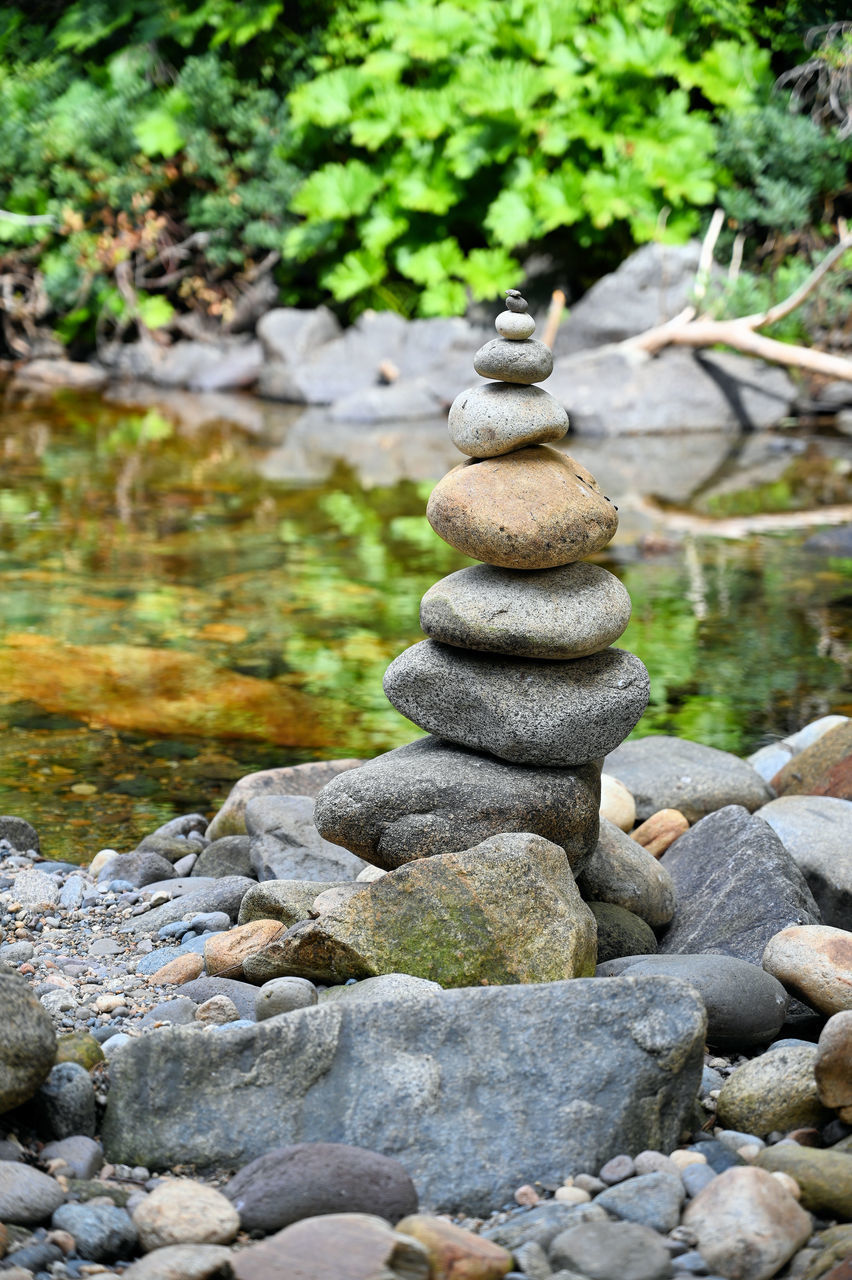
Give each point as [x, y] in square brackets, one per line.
[833, 1066]
[182, 969]
[514, 325]
[225, 953]
[185, 1212]
[660, 831]
[747, 1224]
[776, 1090]
[814, 962]
[617, 804]
[182, 1262]
[217, 1011]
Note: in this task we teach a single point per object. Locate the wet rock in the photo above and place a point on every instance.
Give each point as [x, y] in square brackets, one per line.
[430, 797]
[506, 910]
[493, 419]
[674, 773]
[620, 871]
[736, 887]
[814, 962]
[747, 1224]
[620, 932]
[184, 1212]
[571, 713]
[535, 508]
[28, 1043]
[284, 843]
[774, 1091]
[817, 832]
[292, 780]
[825, 1176]
[313, 1178]
[833, 1066]
[411, 1063]
[340, 1246]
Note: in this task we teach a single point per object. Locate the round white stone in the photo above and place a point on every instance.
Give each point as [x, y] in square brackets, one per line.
[514, 325]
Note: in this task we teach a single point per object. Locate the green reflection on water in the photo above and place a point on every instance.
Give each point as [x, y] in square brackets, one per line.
[261, 616]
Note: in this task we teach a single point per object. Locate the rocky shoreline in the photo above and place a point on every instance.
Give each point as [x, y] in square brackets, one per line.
[531, 1132]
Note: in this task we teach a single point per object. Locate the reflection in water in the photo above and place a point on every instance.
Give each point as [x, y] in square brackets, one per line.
[187, 599]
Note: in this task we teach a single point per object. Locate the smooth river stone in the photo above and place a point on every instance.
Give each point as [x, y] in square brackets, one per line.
[500, 416]
[511, 360]
[567, 612]
[530, 712]
[534, 508]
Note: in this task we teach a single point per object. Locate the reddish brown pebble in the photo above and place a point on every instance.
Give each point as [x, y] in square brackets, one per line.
[527, 1195]
[659, 832]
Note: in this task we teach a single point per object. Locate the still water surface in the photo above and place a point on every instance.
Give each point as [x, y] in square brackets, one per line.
[195, 587]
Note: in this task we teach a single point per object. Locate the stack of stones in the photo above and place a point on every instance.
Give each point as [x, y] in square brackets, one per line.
[519, 662]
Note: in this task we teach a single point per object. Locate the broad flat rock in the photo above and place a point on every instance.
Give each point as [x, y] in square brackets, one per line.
[620, 871]
[528, 711]
[808, 770]
[284, 843]
[535, 508]
[431, 797]
[814, 962]
[499, 417]
[337, 1246]
[292, 780]
[568, 612]
[817, 832]
[224, 894]
[505, 911]
[736, 887]
[675, 773]
[440, 1081]
[523, 360]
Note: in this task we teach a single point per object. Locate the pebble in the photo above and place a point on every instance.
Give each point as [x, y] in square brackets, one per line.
[617, 804]
[511, 360]
[617, 1169]
[814, 962]
[746, 1224]
[185, 1212]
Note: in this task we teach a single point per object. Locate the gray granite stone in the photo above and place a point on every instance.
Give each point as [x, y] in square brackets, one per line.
[674, 773]
[558, 714]
[498, 417]
[511, 360]
[286, 845]
[622, 872]
[224, 894]
[817, 832]
[567, 612]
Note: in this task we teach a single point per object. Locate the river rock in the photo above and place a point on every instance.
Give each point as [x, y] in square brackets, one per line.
[617, 804]
[313, 1178]
[603, 1250]
[243, 994]
[286, 900]
[567, 612]
[496, 418]
[395, 1076]
[747, 1224]
[224, 894]
[674, 773]
[227, 856]
[659, 832]
[285, 844]
[534, 508]
[27, 1196]
[745, 1005]
[620, 932]
[225, 953]
[292, 780]
[28, 1043]
[139, 868]
[182, 1262]
[19, 833]
[808, 768]
[833, 1066]
[736, 887]
[338, 1246]
[622, 872]
[453, 1251]
[652, 1199]
[432, 797]
[776, 1090]
[814, 962]
[817, 831]
[283, 995]
[559, 714]
[66, 1102]
[507, 910]
[825, 1176]
[383, 987]
[513, 360]
[102, 1232]
[182, 1211]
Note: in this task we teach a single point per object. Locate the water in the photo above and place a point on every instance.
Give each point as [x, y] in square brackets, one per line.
[194, 587]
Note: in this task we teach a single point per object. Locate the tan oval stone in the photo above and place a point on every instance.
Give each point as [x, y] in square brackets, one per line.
[833, 1067]
[217, 1011]
[182, 1262]
[617, 804]
[535, 508]
[455, 1252]
[747, 1224]
[775, 1090]
[814, 961]
[181, 1211]
[182, 969]
[225, 953]
[660, 831]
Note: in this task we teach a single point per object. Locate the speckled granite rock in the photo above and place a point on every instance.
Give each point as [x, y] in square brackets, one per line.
[496, 418]
[662, 772]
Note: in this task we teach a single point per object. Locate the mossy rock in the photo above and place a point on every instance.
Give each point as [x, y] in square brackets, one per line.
[80, 1047]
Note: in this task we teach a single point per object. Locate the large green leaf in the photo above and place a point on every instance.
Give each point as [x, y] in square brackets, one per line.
[158, 133]
[337, 191]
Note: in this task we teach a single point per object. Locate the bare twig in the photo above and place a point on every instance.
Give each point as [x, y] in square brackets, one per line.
[705, 260]
[28, 219]
[554, 315]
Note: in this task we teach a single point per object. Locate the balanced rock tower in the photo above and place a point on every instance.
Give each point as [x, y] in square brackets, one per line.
[522, 696]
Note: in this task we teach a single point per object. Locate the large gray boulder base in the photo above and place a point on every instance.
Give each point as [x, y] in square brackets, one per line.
[661, 772]
[292, 780]
[617, 391]
[559, 714]
[568, 612]
[615, 1066]
[28, 1042]
[620, 871]
[288, 334]
[433, 797]
[736, 885]
[745, 1004]
[284, 843]
[817, 832]
[507, 910]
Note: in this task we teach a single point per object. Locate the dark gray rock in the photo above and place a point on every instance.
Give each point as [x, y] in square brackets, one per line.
[180, 1011]
[313, 1178]
[736, 885]
[652, 1199]
[243, 994]
[567, 612]
[553, 713]
[27, 1045]
[622, 872]
[83, 1155]
[745, 1004]
[619, 391]
[832, 542]
[817, 832]
[102, 1232]
[224, 894]
[511, 360]
[18, 833]
[27, 1196]
[396, 1077]
[284, 843]
[139, 868]
[605, 1250]
[66, 1102]
[674, 773]
[228, 856]
[620, 932]
[432, 797]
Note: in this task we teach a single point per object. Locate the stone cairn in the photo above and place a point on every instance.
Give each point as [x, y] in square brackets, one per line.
[522, 696]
